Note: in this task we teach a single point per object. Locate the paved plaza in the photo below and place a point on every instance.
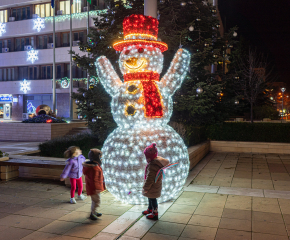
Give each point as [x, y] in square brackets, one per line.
[234, 196]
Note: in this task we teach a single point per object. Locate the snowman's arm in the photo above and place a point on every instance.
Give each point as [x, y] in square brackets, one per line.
[107, 75]
[176, 73]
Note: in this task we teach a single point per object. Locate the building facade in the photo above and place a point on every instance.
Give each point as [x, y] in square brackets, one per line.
[26, 53]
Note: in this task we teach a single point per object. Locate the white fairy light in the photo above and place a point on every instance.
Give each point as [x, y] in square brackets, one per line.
[2, 28]
[136, 131]
[32, 55]
[38, 24]
[25, 86]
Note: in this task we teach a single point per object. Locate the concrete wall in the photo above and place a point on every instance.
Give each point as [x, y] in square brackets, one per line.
[35, 132]
[249, 147]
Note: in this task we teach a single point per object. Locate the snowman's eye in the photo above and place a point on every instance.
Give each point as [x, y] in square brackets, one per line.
[130, 110]
[132, 89]
[127, 52]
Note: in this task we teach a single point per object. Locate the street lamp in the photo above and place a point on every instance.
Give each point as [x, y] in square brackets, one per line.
[282, 90]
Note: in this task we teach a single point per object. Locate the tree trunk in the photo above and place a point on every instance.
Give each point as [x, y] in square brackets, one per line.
[251, 112]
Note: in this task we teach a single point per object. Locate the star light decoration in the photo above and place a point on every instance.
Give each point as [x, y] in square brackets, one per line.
[142, 106]
[2, 28]
[25, 86]
[38, 24]
[32, 55]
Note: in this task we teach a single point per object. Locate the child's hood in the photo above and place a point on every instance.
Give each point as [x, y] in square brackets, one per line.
[80, 157]
[90, 164]
[160, 161]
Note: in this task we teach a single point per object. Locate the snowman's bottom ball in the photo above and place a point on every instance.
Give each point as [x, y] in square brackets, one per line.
[124, 162]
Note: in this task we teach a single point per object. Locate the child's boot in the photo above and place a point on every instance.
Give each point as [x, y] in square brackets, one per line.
[73, 201]
[153, 215]
[98, 214]
[93, 216]
[148, 211]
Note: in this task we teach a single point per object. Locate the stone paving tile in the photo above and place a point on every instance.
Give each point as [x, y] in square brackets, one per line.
[263, 236]
[235, 224]
[105, 220]
[223, 234]
[237, 214]
[155, 236]
[266, 205]
[177, 208]
[12, 233]
[239, 202]
[205, 221]
[139, 229]
[267, 217]
[174, 229]
[85, 230]
[75, 217]
[40, 235]
[267, 227]
[176, 217]
[105, 236]
[202, 188]
[199, 232]
[277, 194]
[58, 227]
[241, 191]
[213, 212]
[118, 226]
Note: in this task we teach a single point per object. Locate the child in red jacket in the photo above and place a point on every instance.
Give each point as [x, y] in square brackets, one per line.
[94, 180]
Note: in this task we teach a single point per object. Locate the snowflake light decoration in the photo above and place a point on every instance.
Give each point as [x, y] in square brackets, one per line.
[38, 24]
[142, 106]
[25, 86]
[2, 28]
[32, 55]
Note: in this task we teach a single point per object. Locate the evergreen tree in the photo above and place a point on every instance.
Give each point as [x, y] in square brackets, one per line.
[192, 25]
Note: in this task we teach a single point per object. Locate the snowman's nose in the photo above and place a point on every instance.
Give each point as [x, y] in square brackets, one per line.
[132, 61]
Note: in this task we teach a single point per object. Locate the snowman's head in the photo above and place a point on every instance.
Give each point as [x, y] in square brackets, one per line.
[141, 58]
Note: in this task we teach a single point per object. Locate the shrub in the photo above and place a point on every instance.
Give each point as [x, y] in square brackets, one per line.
[195, 135]
[43, 119]
[257, 132]
[3, 154]
[57, 146]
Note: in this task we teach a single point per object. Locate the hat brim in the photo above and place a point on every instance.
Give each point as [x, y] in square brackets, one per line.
[119, 46]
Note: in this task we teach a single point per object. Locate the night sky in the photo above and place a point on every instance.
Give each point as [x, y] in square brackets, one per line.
[266, 24]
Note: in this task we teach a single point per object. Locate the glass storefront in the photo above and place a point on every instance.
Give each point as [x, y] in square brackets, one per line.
[31, 102]
[5, 106]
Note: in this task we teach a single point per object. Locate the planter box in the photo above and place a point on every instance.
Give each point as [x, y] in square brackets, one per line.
[35, 132]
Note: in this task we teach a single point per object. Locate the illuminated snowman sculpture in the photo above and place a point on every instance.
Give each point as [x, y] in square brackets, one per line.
[142, 106]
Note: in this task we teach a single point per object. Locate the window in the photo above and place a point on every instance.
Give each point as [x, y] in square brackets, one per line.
[78, 36]
[1, 46]
[77, 7]
[3, 16]
[58, 71]
[64, 6]
[23, 73]
[43, 10]
[21, 13]
[40, 42]
[43, 72]
[35, 75]
[48, 72]
[65, 39]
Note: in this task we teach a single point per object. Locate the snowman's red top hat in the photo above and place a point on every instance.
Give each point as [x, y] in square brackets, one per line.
[140, 30]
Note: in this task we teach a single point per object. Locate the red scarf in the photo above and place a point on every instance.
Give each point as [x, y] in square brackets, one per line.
[151, 94]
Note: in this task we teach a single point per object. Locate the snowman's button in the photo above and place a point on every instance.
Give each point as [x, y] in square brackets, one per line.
[132, 89]
[130, 110]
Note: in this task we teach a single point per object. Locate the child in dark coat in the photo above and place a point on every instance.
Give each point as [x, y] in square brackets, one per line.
[74, 170]
[94, 180]
[151, 189]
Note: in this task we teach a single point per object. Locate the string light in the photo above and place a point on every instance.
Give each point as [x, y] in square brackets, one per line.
[25, 86]
[2, 28]
[142, 106]
[32, 55]
[38, 24]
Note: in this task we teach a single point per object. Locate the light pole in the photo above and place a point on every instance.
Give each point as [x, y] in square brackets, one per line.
[282, 90]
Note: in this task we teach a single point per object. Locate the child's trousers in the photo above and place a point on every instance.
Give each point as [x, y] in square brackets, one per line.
[96, 200]
[153, 205]
[74, 182]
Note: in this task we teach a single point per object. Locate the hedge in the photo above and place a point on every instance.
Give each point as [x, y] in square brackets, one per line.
[256, 132]
[57, 146]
